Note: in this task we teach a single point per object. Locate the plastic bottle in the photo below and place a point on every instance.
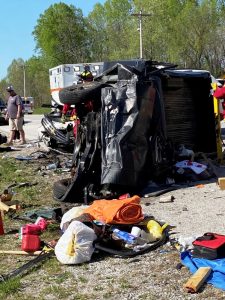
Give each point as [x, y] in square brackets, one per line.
[52, 167]
[155, 230]
[136, 231]
[125, 236]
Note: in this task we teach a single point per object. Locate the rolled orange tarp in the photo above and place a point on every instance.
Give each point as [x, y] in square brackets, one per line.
[126, 211]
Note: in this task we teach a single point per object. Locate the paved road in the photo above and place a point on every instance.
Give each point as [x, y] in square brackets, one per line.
[32, 123]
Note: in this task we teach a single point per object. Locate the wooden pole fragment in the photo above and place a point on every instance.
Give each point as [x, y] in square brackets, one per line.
[19, 252]
[197, 279]
[4, 207]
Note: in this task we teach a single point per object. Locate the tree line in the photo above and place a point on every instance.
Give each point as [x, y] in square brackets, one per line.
[188, 33]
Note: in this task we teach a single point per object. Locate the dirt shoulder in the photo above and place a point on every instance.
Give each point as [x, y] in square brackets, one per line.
[195, 210]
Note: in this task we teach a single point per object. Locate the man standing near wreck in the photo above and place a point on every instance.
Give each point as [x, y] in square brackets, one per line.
[15, 116]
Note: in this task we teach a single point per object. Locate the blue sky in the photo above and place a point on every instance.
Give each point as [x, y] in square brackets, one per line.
[17, 21]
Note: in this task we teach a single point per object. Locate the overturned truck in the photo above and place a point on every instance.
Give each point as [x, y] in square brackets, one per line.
[139, 113]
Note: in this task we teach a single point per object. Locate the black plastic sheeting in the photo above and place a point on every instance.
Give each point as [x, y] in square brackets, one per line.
[127, 125]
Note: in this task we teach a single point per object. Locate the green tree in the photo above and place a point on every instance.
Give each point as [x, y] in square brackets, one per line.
[111, 28]
[60, 34]
[97, 33]
[3, 93]
[15, 75]
[195, 29]
[36, 79]
[184, 32]
[37, 73]
[157, 28]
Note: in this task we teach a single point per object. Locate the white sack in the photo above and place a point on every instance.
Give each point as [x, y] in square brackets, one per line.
[76, 244]
[72, 213]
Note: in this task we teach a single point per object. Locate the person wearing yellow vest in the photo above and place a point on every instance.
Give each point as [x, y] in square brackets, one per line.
[86, 75]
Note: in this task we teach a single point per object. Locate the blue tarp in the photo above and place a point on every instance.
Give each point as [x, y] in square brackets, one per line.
[216, 278]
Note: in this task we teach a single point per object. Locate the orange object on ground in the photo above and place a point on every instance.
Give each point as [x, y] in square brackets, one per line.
[126, 211]
[200, 186]
[1, 225]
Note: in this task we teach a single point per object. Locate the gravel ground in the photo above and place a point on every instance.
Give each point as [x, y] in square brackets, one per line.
[195, 210]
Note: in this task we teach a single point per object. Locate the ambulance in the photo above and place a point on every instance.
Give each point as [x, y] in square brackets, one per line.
[28, 105]
[68, 74]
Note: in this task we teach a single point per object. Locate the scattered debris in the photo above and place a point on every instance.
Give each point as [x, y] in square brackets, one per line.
[166, 199]
[221, 183]
[45, 254]
[199, 186]
[47, 213]
[183, 152]
[140, 233]
[179, 266]
[22, 157]
[6, 195]
[8, 209]
[197, 279]
[22, 184]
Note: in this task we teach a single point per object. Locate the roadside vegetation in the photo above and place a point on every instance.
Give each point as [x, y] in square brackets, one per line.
[186, 33]
[41, 110]
[37, 196]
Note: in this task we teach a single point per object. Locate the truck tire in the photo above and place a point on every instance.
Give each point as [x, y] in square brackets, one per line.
[59, 188]
[82, 92]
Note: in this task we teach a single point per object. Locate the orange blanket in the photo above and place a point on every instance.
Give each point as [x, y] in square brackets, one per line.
[127, 211]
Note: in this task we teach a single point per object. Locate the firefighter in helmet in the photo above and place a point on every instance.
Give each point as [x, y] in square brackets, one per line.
[86, 75]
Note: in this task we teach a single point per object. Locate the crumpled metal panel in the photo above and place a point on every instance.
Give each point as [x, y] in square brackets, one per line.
[127, 111]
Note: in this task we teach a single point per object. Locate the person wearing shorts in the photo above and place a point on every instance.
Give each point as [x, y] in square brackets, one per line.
[15, 116]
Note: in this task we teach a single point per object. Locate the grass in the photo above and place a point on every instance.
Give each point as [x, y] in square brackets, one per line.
[42, 110]
[124, 284]
[9, 287]
[50, 279]
[53, 268]
[7, 172]
[13, 171]
[83, 279]
[58, 291]
[62, 277]
[31, 197]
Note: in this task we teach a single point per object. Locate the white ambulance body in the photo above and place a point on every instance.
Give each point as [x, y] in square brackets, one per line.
[68, 74]
[28, 105]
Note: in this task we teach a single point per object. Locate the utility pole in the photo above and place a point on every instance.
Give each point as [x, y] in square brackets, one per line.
[24, 81]
[140, 15]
